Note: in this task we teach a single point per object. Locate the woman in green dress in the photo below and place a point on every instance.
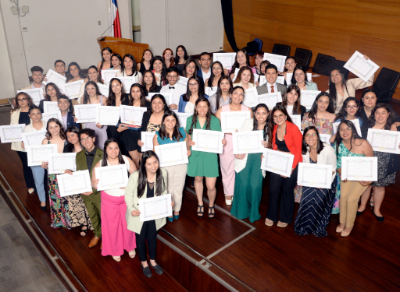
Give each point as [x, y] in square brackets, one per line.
[249, 176]
[203, 164]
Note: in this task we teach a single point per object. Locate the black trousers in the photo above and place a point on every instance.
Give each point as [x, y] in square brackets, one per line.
[148, 233]
[281, 190]
[28, 176]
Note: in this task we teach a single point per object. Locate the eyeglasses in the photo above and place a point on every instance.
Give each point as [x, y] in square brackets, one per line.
[22, 99]
[351, 106]
[86, 139]
[173, 76]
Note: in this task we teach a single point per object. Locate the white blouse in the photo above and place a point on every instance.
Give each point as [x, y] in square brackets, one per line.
[118, 192]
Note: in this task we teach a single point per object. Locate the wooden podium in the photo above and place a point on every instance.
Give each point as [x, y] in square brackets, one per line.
[123, 46]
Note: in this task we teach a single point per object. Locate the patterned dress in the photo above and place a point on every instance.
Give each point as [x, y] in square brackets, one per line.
[383, 165]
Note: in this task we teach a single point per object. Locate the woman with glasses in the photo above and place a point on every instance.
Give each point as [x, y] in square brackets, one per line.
[193, 92]
[217, 71]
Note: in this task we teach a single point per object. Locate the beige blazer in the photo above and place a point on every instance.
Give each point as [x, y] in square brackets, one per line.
[16, 146]
[132, 202]
[326, 156]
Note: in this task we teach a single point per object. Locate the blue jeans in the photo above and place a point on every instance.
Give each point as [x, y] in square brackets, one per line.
[38, 175]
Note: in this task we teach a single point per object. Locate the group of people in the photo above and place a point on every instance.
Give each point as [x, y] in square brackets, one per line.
[114, 214]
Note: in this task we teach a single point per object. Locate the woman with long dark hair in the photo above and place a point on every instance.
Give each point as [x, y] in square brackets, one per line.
[147, 182]
[74, 73]
[52, 93]
[147, 61]
[217, 71]
[291, 101]
[129, 68]
[181, 57]
[194, 90]
[160, 71]
[258, 58]
[116, 62]
[223, 95]
[94, 76]
[149, 83]
[105, 60]
[301, 80]
[190, 69]
[245, 78]
[114, 232]
[241, 60]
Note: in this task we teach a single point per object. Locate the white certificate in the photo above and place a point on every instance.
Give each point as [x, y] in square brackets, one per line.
[72, 89]
[360, 168]
[11, 133]
[256, 77]
[77, 183]
[227, 59]
[236, 73]
[182, 117]
[40, 153]
[127, 82]
[231, 121]
[183, 80]
[277, 60]
[262, 81]
[355, 122]
[147, 139]
[172, 154]
[33, 138]
[248, 142]
[251, 97]
[155, 208]
[309, 76]
[307, 97]
[314, 175]
[50, 106]
[104, 89]
[211, 91]
[54, 77]
[361, 67]
[280, 79]
[107, 115]
[150, 95]
[296, 119]
[270, 99]
[111, 177]
[36, 94]
[168, 97]
[55, 114]
[59, 162]
[384, 140]
[107, 75]
[132, 115]
[86, 113]
[325, 138]
[208, 141]
[277, 162]
[289, 78]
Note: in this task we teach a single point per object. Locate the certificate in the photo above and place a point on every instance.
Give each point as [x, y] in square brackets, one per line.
[50, 106]
[227, 59]
[355, 122]
[270, 99]
[147, 139]
[325, 138]
[208, 141]
[236, 73]
[248, 142]
[360, 168]
[33, 138]
[59, 162]
[54, 77]
[211, 91]
[36, 94]
[314, 175]
[309, 76]
[384, 140]
[251, 97]
[40, 153]
[183, 80]
[307, 97]
[262, 81]
[230, 121]
[77, 183]
[172, 154]
[127, 82]
[107, 75]
[86, 113]
[168, 97]
[277, 162]
[104, 89]
[132, 115]
[155, 208]
[111, 177]
[361, 67]
[55, 114]
[73, 89]
[280, 79]
[150, 95]
[256, 77]
[289, 78]
[182, 117]
[277, 60]
[296, 119]
[107, 115]
[11, 133]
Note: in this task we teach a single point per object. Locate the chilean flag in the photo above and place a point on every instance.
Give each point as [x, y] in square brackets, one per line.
[114, 17]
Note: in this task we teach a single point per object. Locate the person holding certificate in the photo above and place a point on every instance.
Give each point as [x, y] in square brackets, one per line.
[116, 62]
[190, 69]
[105, 63]
[316, 203]
[129, 68]
[227, 159]
[149, 83]
[300, 79]
[176, 89]
[37, 77]
[291, 101]
[340, 88]
[160, 71]
[58, 205]
[217, 71]
[245, 78]
[349, 144]
[67, 117]
[249, 176]
[193, 92]
[286, 137]
[223, 95]
[74, 73]
[116, 237]
[205, 70]
[387, 163]
[19, 116]
[170, 132]
[258, 58]
[148, 182]
[271, 86]
[290, 64]
[203, 164]
[181, 57]
[52, 93]
[146, 63]
[92, 95]
[263, 66]
[37, 124]
[241, 60]
[94, 76]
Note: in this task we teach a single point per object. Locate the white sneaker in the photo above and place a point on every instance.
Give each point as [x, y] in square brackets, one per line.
[228, 202]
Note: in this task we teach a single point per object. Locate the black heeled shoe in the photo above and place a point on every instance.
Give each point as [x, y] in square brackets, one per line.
[360, 212]
[211, 215]
[200, 213]
[379, 218]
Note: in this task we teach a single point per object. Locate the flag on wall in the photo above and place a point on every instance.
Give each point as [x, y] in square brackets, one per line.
[114, 19]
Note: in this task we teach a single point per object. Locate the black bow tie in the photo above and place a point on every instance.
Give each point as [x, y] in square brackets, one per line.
[89, 154]
[171, 87]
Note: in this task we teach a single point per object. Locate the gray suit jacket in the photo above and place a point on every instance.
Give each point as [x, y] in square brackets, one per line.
[263, 88]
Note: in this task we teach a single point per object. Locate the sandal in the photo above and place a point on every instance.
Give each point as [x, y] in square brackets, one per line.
[371, 201]
[84, 231]
[211, 215]
[200, 213]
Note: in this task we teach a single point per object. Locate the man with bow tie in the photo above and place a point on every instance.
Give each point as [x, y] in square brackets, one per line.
[176, 89]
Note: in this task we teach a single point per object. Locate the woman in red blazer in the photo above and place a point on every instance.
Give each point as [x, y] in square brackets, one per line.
[286, 137]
